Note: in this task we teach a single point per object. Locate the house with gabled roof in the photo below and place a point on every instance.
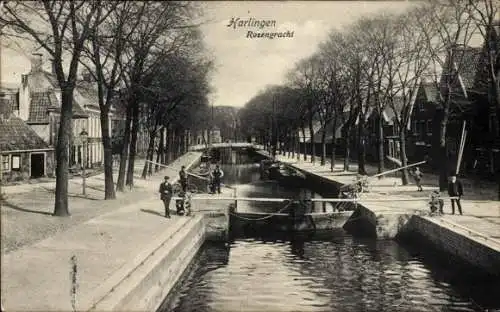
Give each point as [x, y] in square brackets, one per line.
[390, 129]
[23, 154]
[40, 105]
[465, 106]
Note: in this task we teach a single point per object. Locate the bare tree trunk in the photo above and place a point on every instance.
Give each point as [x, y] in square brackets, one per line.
[361, 147]
[133, 145]
[347, 148]
[311, 133]
[120, 183]
[178, 138]
[161, 148]
[109, 187]
[443, 153]
[149, 154]
[404, 161]
[323, 147]
[332, 159]
[61, 208]
[381, 156]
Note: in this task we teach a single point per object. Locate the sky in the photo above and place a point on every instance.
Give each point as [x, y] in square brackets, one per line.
[244, 66]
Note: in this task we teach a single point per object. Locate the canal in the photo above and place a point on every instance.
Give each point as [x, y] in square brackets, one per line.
[334, 272]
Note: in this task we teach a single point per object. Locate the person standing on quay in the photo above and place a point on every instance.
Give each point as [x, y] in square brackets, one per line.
[216, 176]
[417, 175]
[455, 189]
[166, 195]
[183, 179]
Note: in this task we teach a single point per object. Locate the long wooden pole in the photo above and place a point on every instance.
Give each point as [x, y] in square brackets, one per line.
[461, 148]
[386, 172]
[397, 169]
[167, 166]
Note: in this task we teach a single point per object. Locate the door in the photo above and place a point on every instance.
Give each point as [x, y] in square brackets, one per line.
[37, 165]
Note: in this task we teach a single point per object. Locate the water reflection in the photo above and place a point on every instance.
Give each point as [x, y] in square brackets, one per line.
[338, 274]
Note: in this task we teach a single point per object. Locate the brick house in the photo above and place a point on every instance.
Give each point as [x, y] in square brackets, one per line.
[23, 154]
[465, 106]
[425, 122]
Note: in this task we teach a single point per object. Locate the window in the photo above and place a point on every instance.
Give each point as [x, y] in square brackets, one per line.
[16, 162]
[5, 163]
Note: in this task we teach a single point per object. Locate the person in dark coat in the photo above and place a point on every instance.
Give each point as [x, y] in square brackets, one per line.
[455, 189]
[216, 175]
[183, 179]
[166, 192]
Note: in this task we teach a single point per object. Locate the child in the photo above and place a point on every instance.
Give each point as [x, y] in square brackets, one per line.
[417, 174]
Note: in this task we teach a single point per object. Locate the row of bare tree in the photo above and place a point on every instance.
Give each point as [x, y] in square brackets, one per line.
[146, 57]
[376, 63]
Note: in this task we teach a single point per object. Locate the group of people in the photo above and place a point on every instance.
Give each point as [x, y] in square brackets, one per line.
[455, 190]
[166, 190]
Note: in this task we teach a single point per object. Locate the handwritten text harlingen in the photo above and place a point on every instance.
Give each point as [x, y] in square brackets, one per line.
[251, 22]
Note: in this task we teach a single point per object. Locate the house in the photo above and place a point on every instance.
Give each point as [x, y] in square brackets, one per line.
[465, 107]
[40, 104]
[306, 138]
[23, 154]
[389, 127]
[425, 120]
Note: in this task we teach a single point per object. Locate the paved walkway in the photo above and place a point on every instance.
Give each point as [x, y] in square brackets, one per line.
[37, 277]
[481, 219]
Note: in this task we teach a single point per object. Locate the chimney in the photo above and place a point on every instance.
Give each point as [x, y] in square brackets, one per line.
[87, 76]
[36, 62]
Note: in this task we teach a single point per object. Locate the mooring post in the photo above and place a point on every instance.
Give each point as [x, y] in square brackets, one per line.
[229, 211]
[235, 200]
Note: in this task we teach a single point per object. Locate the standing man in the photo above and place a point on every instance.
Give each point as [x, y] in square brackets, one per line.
[166, 195]
[183, 179]
[216, 174]
[455, 189]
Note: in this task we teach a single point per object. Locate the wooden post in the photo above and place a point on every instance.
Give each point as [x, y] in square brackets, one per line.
[235, 200]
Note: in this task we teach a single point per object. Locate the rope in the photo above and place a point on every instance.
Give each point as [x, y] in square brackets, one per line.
[263, 218]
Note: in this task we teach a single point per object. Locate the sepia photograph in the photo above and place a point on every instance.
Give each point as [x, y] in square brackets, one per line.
[250, 156]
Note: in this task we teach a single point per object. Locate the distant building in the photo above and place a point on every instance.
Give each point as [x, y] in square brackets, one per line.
[215, 136]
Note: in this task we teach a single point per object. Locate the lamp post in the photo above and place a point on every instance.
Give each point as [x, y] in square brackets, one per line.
[84, 136]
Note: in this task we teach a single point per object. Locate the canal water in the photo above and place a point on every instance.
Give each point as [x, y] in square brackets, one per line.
[337, 272]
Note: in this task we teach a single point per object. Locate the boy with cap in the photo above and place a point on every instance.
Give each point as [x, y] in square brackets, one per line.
[455, 189]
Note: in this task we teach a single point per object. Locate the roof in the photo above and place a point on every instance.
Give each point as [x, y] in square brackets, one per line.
[86, 94]
[388, 111]
[15, 134]
[45, 82]
[466, 62]
[39, 107]
[329, 132]
[430, 91]
[469, 59]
